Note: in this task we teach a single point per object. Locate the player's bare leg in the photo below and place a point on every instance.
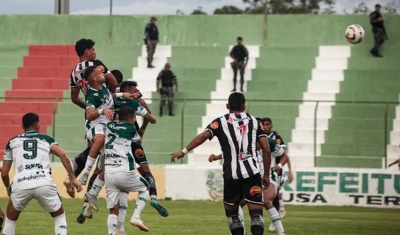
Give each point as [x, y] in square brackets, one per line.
[98, 144]
[144, 171]
[269, 195]
[11, 219]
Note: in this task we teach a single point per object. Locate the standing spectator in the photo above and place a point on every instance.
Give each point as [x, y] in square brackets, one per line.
[151, 40]
[240, 56]
[167, 79]
[378, 28]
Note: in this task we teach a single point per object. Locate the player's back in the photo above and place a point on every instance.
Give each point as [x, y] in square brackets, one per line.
[117, 148]
[30, 153]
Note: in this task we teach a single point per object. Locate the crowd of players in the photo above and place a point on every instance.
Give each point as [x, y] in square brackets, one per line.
[253, 154]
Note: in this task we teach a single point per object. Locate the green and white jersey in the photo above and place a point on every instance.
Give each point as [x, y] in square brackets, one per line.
[30, 153]
[119, 137]
[122, 102]
[98, 99]
[276, 151]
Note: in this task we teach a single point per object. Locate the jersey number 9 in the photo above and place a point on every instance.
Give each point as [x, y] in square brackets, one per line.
[30, 148]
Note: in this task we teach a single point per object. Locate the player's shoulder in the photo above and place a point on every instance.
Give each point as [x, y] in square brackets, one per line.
[37, 136]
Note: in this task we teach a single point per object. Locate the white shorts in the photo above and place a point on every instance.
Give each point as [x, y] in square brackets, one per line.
[46, 195]
[98, 129]
[129, 181]
[100, 160]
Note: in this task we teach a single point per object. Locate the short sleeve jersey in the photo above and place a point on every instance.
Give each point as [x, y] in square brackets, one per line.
[118, 139]
[122, 102]
[98, 99]
[276, 152]
[77, 79]
[30, 153]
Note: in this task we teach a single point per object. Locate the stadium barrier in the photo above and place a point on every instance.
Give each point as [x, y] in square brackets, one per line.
[310, 186]
[344, 147]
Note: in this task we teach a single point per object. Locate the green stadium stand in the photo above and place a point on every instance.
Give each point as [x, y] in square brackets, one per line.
[286, 70]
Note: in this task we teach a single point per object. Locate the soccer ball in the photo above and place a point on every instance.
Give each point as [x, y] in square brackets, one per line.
[354, 34]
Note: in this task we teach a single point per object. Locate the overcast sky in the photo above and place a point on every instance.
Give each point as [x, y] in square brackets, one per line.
[141, 7]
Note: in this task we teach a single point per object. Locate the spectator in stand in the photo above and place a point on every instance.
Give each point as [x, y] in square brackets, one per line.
[378, 28]
[240, 56]
[151, 40]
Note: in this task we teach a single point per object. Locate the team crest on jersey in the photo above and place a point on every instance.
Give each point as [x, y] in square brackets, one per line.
[215, 184]
[101, 67]
[139, 153]
[20, 168]
[214, 125]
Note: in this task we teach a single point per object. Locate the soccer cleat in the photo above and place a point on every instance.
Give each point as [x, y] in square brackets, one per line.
[272, 227]
[139, 223]
[70, 187]
[86, 213]
[282, 214]
[84, 178]
[92, 201]
[156, 205]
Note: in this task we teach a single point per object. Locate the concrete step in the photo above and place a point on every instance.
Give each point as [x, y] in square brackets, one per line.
[161, 51]
[327, 74]
[335, 51]
[331, 63]
[158, 62]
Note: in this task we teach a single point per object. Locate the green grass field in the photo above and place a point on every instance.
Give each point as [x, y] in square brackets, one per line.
[203, 218]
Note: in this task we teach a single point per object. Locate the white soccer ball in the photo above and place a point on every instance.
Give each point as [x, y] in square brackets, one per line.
[354, 34]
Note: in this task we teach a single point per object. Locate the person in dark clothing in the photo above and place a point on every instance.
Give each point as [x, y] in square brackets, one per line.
[378, 29]
[151, 40]
[167, 79]
[240, 56]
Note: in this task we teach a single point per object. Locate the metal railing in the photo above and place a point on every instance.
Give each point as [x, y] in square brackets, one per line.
[332, 123]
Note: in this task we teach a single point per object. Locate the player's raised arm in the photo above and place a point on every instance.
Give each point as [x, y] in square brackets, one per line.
[75, 91]
[59, 152]
[197, 141]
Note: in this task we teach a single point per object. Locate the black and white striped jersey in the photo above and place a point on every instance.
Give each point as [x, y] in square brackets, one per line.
[237, 134]
[77, 79]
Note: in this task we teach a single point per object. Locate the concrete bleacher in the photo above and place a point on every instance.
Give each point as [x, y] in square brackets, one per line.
[294, 65]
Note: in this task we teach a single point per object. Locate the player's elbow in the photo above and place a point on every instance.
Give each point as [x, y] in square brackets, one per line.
[152, 119]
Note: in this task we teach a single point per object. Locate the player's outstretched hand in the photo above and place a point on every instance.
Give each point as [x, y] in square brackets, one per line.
[211, 158]
[77, 185]
[177, 155]
[108, 113]
[265, 181]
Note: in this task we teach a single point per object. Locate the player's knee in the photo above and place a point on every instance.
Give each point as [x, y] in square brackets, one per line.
[234, 223]
[257, 222]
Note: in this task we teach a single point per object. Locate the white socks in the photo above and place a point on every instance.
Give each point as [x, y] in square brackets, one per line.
[276, 220]
[60, 224]
[281, 205]
[123, 207]
[9, 227]
[112, 224]
[89, 164]
[97, 186]
[140, 203]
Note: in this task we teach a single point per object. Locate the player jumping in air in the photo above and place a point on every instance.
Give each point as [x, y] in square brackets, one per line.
[30, 151]
[120, 169]
[85, 50]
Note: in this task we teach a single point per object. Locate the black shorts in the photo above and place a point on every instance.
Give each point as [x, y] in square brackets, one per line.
[139, 154]
[248, 189]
